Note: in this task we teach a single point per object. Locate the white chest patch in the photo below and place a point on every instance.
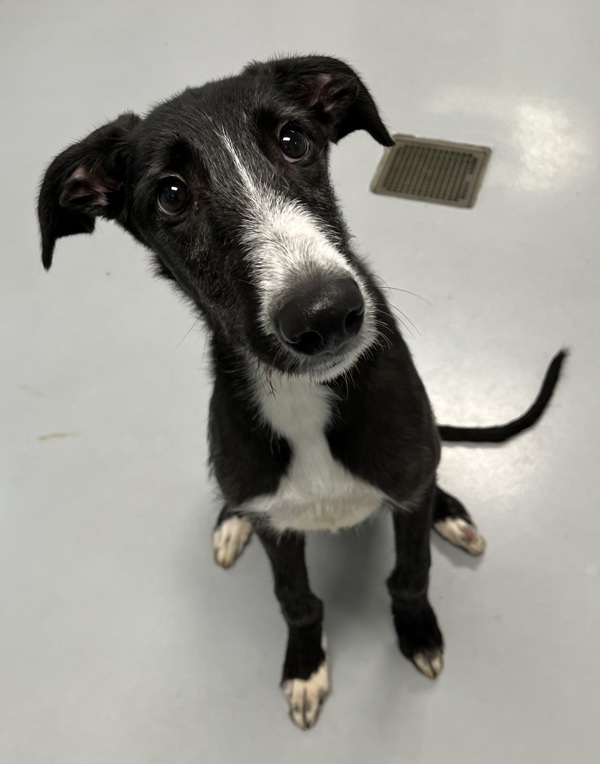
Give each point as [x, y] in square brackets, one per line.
[317, 493]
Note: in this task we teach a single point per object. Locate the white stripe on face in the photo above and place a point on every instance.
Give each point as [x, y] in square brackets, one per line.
[286, 246]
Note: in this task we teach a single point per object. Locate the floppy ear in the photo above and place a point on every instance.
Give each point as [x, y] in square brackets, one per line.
[85, 181]
[330, 88]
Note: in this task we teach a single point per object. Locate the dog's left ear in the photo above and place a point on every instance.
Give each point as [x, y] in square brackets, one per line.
[331, 89]
[84, 182]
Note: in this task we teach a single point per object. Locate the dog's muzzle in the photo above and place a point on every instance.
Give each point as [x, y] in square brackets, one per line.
[321, 317]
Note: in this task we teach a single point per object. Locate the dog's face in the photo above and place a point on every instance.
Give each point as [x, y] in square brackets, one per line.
[228, 185]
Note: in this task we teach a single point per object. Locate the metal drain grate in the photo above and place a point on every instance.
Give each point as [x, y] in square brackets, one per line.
[432, 171]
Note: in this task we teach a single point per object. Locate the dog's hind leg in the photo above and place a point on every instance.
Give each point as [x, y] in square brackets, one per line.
[305, 680]
[230, 536]
[452, 521]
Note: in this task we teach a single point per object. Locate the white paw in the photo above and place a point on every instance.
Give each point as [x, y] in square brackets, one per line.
[461, 533]
[429, 663]
[229, 540]
[305, 696]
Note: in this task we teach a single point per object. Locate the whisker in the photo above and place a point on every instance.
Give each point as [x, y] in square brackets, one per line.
[407, 318]
[399, 319]
[186, 334]
[385, 285]
[401, 313]
[381, 335]
[407, 291]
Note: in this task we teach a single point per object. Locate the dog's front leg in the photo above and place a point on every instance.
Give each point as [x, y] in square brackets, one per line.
[419, 637]
[305, 680]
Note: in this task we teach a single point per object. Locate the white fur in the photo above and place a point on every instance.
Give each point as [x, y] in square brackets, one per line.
[429, 664]
[317, 492]
[461, 533]
[305, 696]
[229, 540]
[286, 245]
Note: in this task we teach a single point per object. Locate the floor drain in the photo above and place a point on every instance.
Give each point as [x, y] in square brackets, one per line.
[432, 171]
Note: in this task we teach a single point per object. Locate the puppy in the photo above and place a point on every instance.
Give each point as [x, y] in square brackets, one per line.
[318, 418]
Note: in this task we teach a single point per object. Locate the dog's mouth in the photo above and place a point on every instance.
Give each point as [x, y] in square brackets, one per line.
[326, 365]
[330, 368]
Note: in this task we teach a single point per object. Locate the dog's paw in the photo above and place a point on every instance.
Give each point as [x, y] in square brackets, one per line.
[229, 540]
[305, 696]
[429, 662]
[461, 533]
[419, 637]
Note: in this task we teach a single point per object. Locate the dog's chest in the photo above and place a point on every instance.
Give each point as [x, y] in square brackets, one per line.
[317, 492]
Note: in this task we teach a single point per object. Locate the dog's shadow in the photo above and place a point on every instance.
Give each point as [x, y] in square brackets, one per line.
[348, 570]
[347, 564]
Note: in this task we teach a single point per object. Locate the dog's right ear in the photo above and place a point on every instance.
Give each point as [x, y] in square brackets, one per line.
[83, 182]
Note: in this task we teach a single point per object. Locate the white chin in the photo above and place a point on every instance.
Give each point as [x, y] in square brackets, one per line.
[329, 372]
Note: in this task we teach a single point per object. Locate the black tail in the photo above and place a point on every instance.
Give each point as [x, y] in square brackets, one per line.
[504, 432]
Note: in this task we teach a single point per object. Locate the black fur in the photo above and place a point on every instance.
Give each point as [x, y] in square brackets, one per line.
[382, 428]
[303, 612]
[414, 619]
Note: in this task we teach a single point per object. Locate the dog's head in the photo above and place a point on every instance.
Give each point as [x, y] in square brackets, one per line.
[228, 185]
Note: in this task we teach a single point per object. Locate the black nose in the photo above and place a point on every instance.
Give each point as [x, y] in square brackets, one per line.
[321, 317]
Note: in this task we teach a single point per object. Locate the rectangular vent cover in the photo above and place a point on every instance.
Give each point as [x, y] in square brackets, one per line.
[432, 171]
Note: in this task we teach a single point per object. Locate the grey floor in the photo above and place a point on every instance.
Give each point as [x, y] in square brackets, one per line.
[120, 641]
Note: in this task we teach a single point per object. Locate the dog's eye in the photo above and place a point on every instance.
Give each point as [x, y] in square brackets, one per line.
[172, 196]
[293, 142]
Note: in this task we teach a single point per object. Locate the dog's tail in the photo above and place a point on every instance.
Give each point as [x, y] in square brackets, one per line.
[504, 432]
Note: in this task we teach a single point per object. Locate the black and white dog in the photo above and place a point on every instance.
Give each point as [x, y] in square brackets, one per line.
[318, 417]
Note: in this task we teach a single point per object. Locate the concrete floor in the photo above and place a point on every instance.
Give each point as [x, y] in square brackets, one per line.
[120, 641]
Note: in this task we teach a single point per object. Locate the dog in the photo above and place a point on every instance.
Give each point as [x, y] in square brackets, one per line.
[318, 418]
